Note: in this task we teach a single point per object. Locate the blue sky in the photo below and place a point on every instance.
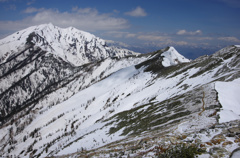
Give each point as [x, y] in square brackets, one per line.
[195, 27]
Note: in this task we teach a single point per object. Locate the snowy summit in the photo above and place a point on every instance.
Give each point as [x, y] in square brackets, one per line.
[72, 45]
[172, 57]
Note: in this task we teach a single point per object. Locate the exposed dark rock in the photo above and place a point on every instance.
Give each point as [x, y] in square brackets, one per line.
[235, 130]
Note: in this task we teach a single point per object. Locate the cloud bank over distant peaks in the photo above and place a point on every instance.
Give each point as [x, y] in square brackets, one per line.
[88, 19]
[229, 39]
[181, 38]
[137, 12]
[185, 32]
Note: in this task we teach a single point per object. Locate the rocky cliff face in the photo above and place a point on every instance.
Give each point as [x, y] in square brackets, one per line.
[64, 91]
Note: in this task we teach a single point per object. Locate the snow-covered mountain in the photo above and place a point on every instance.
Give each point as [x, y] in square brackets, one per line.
[40, 59]
[110, 103]
[72, 45]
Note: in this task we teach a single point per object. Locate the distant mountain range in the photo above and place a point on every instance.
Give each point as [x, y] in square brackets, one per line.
[190, 52]
[65, 92]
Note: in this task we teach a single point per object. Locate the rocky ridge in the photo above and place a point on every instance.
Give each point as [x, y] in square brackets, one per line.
[220, 140]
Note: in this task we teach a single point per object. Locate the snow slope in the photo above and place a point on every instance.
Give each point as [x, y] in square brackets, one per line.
[79, 121]
[228, 95]
[172, 57]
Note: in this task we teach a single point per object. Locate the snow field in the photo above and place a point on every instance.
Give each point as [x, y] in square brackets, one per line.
[172, 57]
[228, 95]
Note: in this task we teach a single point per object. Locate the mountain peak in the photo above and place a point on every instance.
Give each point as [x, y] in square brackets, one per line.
[172, 57]
[72, 45]
[49, 25]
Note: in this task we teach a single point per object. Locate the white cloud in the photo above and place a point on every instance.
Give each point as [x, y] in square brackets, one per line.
[33, 10]
[138, 36]
[120, 34]
[86, 19]
[167, 43]
[138, 12]
[229, 39]
[116, 43]
[200, 38]
[184, 32]
[30, 2]
[182, 43]
[116, 34]
[130, 35]
[153, 38]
